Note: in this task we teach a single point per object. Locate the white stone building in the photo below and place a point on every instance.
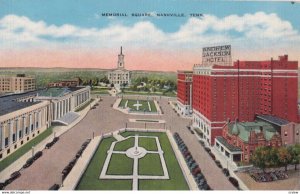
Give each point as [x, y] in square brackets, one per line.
[120, 75]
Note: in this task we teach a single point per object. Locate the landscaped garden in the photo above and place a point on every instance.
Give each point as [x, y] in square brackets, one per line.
[158, 160]
[138, 105]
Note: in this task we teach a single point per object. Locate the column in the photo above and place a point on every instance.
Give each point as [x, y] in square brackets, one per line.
[30, 123]
[35, 119]
[55, 110]
[24, 126]
[40, 119]
[1, 135]
[58, 109]
[67, 105]
[10, 139]
[17, 130]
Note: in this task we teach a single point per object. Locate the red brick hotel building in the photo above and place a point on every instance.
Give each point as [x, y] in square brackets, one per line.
[240, 92]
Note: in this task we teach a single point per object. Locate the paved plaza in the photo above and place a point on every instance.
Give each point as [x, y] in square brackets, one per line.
[46, 171]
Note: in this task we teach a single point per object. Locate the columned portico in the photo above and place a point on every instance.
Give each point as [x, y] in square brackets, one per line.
[10, 142]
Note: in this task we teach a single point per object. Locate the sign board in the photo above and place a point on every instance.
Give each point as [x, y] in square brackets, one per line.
[216, 55]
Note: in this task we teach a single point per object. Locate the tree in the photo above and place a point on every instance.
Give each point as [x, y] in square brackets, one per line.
[284, 157]
[294, 151]
[260, 157]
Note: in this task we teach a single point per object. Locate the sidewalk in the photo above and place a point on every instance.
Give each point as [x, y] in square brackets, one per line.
[57, 131]
[74, 176]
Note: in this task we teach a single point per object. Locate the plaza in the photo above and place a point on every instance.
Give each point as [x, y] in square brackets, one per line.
[47, 170]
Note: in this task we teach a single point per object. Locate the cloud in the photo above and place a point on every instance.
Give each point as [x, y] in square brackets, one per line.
[259, 29]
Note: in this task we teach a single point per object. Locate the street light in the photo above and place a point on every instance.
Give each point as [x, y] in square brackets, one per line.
[32, 149]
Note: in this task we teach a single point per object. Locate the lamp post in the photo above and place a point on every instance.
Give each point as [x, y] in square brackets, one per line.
[32, 149]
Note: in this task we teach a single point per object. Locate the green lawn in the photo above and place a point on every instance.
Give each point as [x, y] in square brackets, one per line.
[100, 91]
[150, 164]
[120, 164]
[84, 106]
[122, 103]
[90, 179]
[148, 143]
[24, 149]
[177, 180]
[124, 145]
[142, 108]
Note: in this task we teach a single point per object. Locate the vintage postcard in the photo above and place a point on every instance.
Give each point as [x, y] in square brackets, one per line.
[149, 95]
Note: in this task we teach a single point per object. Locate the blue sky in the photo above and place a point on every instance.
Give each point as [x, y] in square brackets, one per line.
[82, 12]
[256, 30]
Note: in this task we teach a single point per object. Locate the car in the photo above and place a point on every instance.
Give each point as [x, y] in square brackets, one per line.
[15, 175]
[188, 127]
[55, 139]
[207, 149]
[196, 171]
[93, 107]
[212, 156]
[37, 155]
[191, 162]
[195, 165]
[226, 171]
[218, 163]
[49, 145]
[233, 181]
[189, 158]
[192, 132]
[54, 187]
[28, 163]
[186, 153]
[2, 185]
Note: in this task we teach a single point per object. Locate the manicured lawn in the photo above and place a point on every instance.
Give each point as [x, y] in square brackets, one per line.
[120, 164]
[177, 180]
[148, 143]
[142, 108]
[24, 149]
[124, 145]
[100, 91]
[90, 179]
[84, 106]
[122, 103]
[150, 164]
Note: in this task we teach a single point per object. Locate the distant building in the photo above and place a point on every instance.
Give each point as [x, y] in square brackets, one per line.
[24, 116]
[120, 75]
[240, 139]
[66, 83]
[16, 84]
[241, 91]
[184, 92]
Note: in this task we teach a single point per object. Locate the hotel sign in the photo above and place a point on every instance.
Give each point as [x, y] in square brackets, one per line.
[217, 55]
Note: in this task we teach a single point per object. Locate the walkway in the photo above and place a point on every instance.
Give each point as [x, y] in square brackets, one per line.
[136, 153]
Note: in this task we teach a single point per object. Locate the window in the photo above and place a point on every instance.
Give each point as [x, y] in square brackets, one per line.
[285, 134]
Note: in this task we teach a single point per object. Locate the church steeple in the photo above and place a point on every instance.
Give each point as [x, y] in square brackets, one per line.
[121, 60]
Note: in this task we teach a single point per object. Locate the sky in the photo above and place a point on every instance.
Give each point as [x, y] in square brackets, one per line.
[75, 34]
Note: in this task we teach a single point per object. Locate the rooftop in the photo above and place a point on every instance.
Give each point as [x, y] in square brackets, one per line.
[57, 92]
[9, 104]
[230, 147]
[273, 119]
[243, 129]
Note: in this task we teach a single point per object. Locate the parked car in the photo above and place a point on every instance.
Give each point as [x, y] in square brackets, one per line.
[55, 139]
[28, 163]
[37, 155]
[15, 175]
[2, 186]
[54, 187]
[49, 145]
[226, 171]
[207, 149]
[218, 163]
[196, 171]
[234, 182]
[212, 156]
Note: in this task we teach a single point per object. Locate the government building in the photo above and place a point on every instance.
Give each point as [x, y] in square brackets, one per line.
[120, 75]
[24, 116]
[16, 84]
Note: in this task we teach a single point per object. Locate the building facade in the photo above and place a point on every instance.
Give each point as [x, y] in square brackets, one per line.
[16, 84]
[184, 92]
[240, 139]
[120, 75]
[24, 116]
[66, 83]
[241, 91]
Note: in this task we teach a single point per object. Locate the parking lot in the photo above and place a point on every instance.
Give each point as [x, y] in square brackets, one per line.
[47, 170]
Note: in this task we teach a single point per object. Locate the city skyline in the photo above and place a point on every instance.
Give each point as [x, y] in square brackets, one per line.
[84, 38]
